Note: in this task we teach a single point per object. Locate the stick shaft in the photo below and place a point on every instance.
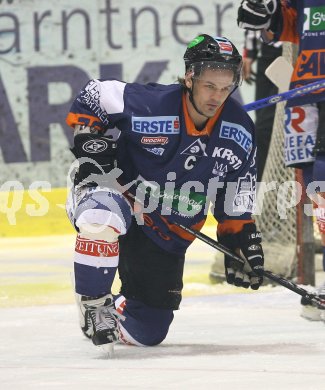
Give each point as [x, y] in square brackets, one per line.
[268, 274]
[293, 93]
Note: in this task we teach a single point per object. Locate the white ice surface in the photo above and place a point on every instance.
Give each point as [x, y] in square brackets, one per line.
[236, 341]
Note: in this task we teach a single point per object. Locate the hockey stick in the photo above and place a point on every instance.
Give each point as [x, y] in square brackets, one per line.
[293, 93]
[243, 264]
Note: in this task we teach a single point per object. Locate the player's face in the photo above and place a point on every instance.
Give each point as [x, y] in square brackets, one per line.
[211, 89]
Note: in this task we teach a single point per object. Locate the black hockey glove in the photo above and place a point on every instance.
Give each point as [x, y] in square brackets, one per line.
[256, 14]
[249, 242]
[96, 154]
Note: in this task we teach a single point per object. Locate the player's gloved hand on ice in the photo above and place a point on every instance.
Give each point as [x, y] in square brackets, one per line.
[248, 241]
[256, 14]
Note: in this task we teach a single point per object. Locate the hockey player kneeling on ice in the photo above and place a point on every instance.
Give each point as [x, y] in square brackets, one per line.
[157, 141]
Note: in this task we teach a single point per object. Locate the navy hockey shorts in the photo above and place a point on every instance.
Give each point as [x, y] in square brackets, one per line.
[149, 273]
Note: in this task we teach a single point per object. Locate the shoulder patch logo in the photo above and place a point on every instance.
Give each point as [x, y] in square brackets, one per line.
[236, 133]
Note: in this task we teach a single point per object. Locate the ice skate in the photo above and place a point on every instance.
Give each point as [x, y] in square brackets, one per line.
[98, 321]
[101, 322]
[84, 304]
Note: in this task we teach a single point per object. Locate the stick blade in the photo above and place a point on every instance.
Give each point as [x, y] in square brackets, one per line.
[108, 349]
[279, 72]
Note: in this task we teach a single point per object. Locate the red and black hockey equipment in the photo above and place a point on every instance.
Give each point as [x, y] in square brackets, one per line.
[243, 265]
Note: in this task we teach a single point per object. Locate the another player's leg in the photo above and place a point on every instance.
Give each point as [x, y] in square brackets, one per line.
[316, 173]
[319, 175]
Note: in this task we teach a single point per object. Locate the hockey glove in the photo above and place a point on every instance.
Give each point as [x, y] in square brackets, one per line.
[249, 242]
[256, 14]
[250, 245]
[96, 154]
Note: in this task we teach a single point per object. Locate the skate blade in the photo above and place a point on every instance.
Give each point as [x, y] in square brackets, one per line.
[108, 349]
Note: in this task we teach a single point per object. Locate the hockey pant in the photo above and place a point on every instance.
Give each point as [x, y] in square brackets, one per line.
[143, 325]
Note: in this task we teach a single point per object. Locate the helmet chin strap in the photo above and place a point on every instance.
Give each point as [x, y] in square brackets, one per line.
[190, 95]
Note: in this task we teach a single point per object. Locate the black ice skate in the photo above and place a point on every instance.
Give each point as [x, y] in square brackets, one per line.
[104, 322]
[84, 304]
[98, 321]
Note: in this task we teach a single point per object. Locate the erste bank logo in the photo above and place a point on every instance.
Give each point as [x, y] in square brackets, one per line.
[155, 124]
[236, 133]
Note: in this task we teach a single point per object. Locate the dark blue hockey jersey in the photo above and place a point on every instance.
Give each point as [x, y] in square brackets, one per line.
[183, 171]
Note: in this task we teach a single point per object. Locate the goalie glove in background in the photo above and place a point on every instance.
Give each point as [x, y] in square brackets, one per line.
[249, 242]
[256, 14]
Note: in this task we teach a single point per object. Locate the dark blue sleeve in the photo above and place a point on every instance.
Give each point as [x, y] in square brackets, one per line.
[236, 200]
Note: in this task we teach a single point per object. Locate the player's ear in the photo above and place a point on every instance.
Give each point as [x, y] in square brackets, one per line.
[188, 81]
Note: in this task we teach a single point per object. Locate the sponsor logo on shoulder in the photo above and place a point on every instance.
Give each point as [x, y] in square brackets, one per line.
[154, 140]
[236, 133]
[155, 124]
